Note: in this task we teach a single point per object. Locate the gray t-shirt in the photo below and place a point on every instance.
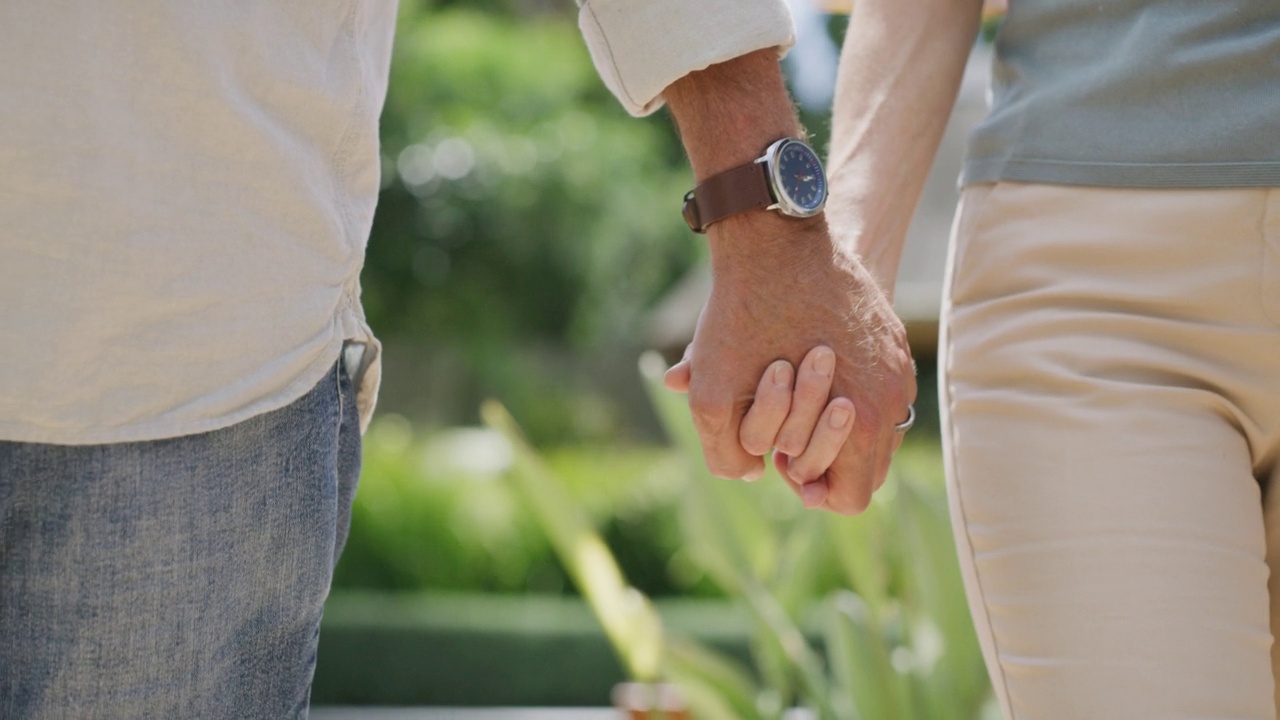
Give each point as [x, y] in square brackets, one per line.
[1134, 93]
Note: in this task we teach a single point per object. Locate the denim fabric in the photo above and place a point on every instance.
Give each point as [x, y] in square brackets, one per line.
[179, 578]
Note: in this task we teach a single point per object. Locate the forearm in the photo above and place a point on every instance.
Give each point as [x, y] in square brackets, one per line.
[900, 70]
[727, 115]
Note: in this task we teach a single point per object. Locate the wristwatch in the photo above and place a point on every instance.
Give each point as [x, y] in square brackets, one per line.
[788, 178]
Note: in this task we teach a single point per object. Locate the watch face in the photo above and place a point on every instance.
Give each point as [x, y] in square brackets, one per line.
[800, 178]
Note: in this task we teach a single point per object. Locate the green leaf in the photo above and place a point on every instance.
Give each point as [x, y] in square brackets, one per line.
[807, 665]
[717, 686]
[861, 547]
[803, 564]
[861, 663]
[947, 657]
[628, 618]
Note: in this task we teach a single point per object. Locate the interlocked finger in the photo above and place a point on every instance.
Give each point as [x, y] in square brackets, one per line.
[824, 445]
[768, 409]
[812, 494]
[813, 387]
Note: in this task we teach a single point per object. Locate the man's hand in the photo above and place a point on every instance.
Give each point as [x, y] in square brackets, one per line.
[781, 286]
[799, 292]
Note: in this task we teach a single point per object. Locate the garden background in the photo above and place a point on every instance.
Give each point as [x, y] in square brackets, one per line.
[527, 250]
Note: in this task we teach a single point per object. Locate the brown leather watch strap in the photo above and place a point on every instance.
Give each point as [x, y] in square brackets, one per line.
[731, 192]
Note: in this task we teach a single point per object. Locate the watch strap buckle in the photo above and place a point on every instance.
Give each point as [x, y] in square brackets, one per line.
[690, 212]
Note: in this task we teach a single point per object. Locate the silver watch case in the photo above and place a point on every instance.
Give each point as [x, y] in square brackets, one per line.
[782, 201]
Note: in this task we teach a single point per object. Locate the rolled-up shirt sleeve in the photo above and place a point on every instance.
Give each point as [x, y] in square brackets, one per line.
[642, 46]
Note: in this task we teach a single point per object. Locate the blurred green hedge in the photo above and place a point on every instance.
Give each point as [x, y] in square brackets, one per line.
[433, 513]
[519, 201]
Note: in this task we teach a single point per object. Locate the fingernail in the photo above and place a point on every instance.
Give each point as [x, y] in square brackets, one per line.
[824, 363]
[754, 475]
[839, 416]
[812, 494]
[782, 374]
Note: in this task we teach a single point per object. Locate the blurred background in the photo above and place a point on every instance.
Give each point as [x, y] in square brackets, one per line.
[527, 251]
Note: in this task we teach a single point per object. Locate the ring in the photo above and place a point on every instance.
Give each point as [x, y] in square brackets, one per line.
[905, 425]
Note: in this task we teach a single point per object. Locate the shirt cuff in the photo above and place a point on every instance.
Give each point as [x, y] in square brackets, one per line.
[642, 46]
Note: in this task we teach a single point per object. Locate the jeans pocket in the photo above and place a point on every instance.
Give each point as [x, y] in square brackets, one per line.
[356, 356]
[355, 359]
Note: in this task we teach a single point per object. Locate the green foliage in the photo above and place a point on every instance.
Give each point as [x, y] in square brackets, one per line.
[432, 513]
[426, 516]
[629, 619]
[520, 202]
[898, 640]
[881, 592]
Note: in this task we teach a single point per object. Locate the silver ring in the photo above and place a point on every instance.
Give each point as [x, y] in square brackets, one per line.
[905, 425]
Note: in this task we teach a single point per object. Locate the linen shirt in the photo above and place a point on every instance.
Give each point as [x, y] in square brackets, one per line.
[641, 46]
[186, 190]
[185, 195]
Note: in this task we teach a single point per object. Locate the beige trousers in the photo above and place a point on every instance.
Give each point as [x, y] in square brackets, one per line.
[1111, 423]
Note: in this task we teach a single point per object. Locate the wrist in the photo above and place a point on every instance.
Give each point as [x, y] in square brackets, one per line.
[876, 245]
[763, 242]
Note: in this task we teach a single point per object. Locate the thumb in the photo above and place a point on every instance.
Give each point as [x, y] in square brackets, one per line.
[677, 378]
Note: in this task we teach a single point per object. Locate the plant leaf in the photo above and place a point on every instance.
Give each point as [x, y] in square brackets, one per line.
[628, 618]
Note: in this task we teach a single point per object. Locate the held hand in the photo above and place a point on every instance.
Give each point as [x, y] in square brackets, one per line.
[781, 287]
[798, 407]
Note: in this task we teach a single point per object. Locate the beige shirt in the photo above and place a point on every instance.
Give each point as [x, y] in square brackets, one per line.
[186, 190]
[185, 194]
[641, 46]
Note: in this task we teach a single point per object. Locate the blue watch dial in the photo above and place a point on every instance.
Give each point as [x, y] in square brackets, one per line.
[800, 176]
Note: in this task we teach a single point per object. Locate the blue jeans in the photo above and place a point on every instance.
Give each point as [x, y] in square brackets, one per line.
[180, 578]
